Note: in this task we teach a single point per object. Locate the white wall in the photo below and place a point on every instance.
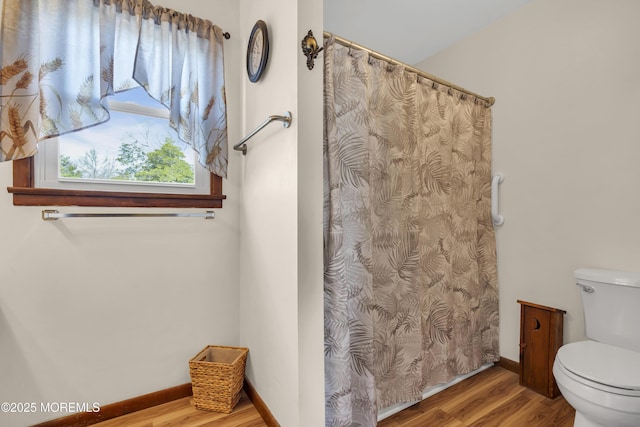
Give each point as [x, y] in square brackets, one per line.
[268, 274]
[102, 310]
[310, 210]
[281, 219]
[566, 78]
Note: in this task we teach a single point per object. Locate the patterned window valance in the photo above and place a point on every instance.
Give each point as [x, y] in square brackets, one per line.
[60, 58]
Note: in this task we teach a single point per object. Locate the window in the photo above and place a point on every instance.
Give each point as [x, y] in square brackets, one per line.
[135, 159]
[52, 87]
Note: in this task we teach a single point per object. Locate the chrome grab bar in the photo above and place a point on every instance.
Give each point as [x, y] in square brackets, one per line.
[52, 215]
[286, 119]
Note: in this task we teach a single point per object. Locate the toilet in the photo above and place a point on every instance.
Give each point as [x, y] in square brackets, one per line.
[600, 377]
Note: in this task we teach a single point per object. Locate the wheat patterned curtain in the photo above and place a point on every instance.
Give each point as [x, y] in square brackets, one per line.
[411, 297]
[60, 58]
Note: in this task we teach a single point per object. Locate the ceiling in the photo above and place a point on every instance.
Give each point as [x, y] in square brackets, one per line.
[411, 30]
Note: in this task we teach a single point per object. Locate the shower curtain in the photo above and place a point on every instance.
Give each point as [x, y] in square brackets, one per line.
[411, 294]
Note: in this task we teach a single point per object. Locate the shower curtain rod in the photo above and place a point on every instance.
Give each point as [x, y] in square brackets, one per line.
[348, 43]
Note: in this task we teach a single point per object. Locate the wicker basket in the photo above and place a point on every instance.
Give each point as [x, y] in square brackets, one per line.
[217, 376]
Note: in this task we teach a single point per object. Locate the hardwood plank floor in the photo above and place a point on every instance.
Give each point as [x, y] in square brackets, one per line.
[491, 398]
[183, 413]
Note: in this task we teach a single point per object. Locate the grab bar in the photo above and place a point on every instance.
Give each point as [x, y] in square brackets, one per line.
[52, 215]
[497, 218]
[241, 146]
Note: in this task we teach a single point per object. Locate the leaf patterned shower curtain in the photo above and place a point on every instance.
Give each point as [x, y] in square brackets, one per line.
[411, 294]
[60, 58]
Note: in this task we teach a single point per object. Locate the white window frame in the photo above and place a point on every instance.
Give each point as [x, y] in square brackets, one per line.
[46, 161]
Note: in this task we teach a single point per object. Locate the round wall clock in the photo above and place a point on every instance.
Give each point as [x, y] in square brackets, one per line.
[257, 51]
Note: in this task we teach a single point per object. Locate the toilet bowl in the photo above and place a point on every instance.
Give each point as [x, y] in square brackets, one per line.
[602, 382]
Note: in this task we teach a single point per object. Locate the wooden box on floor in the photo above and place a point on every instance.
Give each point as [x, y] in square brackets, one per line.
[217, 377]
[540, 339]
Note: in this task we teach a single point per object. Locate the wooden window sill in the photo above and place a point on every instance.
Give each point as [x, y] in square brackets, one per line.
[25, 194]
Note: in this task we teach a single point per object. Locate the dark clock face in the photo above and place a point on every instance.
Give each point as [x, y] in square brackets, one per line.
[257, 51]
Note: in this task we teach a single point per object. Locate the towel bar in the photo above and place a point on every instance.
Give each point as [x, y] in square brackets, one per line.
[52, 215]
[286, 119]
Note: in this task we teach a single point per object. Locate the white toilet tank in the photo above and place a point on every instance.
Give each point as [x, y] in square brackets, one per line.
[611, 302]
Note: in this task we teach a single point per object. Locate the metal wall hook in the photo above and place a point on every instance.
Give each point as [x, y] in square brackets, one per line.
[310, 49]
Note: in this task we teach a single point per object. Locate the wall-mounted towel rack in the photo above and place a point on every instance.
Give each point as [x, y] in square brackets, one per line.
[497, 218]
[286, 119]
[49, 215]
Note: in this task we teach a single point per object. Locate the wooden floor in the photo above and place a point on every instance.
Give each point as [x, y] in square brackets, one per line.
[182, 413]
[490, 398]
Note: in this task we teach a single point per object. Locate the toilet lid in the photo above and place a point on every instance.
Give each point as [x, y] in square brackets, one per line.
[602, 363]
